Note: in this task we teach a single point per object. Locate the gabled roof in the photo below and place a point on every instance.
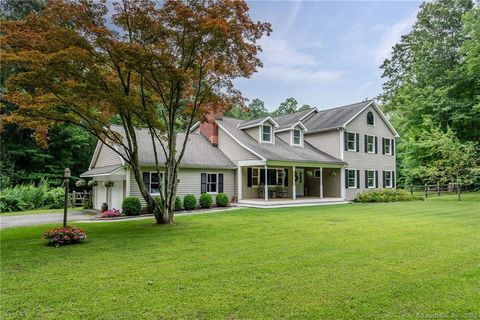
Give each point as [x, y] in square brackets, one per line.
[280, 151]
[256, 122]
[101, 171]
[291, 126]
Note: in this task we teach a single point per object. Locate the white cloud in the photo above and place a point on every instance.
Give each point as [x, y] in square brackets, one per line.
[392, 36]
[284, 62]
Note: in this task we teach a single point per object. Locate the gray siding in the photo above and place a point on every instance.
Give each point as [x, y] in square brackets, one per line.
[107, 157]
[190, 182]
[253, 132]
[284, 135]
[367, 161]
[328, 142]
[232, 149]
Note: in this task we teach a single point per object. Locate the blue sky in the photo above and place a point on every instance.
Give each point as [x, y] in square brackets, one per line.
[325, 53]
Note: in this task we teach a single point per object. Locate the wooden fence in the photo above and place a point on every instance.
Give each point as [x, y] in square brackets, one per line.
[80, 199]
[438, 189]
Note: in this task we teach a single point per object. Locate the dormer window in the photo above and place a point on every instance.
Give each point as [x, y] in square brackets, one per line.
[370, 118]
[267, 133]
[297, 137]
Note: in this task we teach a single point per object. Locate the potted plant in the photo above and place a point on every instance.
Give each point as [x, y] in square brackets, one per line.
[108, 183]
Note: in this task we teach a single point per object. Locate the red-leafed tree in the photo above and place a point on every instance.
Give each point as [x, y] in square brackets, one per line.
[162, 67]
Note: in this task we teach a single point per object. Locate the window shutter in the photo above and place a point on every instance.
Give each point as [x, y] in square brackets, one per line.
[285, 179]
[146, 180]
[366, 179]
[249, 176]
[393, 179]
[203, 183]
[383, 175]
[392, 146]
[366, 143]
[346, 178]
[262, 176]
[220, 182]
[376, 179]
[345, 141]
[376, 144]
[357, 136]
[383, 145]
[358, 179]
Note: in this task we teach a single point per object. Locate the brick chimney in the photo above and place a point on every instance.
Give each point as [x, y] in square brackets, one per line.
[209, 127]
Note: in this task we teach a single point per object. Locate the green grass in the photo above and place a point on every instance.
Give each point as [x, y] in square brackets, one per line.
[359, 261]
[37, 211]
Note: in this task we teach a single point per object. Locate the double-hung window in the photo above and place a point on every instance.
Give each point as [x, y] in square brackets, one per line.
[211, 182]
[152, 182]
[388, 146]
[297, 137]
[351, 141]
[371, 179]
[266, 133]
[352, 179]
[370, 142]
[255, 176]
[388, 178]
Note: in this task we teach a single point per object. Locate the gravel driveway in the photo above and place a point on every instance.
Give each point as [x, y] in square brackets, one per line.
[43, 218]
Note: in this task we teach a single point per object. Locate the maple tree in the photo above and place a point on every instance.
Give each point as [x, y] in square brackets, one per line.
[162, 67]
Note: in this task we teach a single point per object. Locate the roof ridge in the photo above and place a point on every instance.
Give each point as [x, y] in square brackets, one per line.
[346, 105]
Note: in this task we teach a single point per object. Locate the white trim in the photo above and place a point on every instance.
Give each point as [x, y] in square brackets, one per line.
[298, 123]
[266, 182]
[294, 184]
[241, 144]
[127, 183]
[354, 142]
[343, 191]
[216, 182]
[356, 179]
[314, 109]
[95, 155]
[239, 183]
[375, 179]
[384, 145]
[272, 134]
[391, 179]
[195, 126]
[292, 141]
[256, 124]
[371, 125]
[373, 144]
[321, 183]
[101, 174]
[377, 108]
[161, 183]
[247, 163]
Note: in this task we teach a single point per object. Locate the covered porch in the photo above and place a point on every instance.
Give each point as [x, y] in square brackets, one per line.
[284, 183]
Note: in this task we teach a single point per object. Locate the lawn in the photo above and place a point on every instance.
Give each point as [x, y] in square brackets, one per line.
[37, 211]
[360, 261]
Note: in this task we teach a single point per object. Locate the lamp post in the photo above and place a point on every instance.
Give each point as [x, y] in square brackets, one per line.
[66, 178]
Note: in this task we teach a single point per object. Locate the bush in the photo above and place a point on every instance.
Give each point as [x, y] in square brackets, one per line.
[206, 200]
[221, 200]
[24, 197]
[61, 236]
[110, 214]
[178, 203]
[189, 202]
[131, 206]
[55, 198]
[385, 196]
[9, 203]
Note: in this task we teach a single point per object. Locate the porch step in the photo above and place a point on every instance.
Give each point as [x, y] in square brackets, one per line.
[289, 203]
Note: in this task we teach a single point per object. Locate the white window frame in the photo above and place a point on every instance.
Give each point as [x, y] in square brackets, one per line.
[160, 181]
[209, 184]
[256, 175]
[262, 133]
[300, 134]
[374, 179]
[354, 141]
[372, 144]
[390, 185]
[368, 124]
[355, 186]
[385, 140]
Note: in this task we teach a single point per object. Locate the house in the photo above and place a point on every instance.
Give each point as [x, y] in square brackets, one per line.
[307, 157]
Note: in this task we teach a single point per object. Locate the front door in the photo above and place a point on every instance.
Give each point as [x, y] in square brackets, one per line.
[299, 182]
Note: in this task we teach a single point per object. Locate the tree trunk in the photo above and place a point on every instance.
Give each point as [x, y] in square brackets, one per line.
[459, 191]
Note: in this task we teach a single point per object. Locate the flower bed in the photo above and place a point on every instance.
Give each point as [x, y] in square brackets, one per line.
[110, 214]
[62, 236]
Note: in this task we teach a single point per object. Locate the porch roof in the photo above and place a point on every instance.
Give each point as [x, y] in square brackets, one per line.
[101, 171]
[280, 151]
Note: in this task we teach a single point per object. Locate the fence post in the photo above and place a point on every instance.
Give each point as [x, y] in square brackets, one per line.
[438, 189]
[426, 190]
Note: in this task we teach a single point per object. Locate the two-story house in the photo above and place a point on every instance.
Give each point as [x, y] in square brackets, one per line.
[308, 157]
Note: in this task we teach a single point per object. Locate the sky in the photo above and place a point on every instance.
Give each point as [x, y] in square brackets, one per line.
[325, 53]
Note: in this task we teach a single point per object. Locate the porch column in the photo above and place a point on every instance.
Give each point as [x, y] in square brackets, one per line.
[342, 183]
[321, 183]
[294, 185]
[266, 183]
[239, 182]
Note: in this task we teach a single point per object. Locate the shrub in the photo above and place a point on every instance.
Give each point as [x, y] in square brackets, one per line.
[131, 206]
[61, 236]
[221, 200]
[189, 202]
[206, 200]
[178, 203]
[55, 198]
[92, 183]
[9, 203]
[110, 214]
[385, 196]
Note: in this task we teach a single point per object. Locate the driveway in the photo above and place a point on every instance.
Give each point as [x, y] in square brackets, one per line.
[43, 218]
